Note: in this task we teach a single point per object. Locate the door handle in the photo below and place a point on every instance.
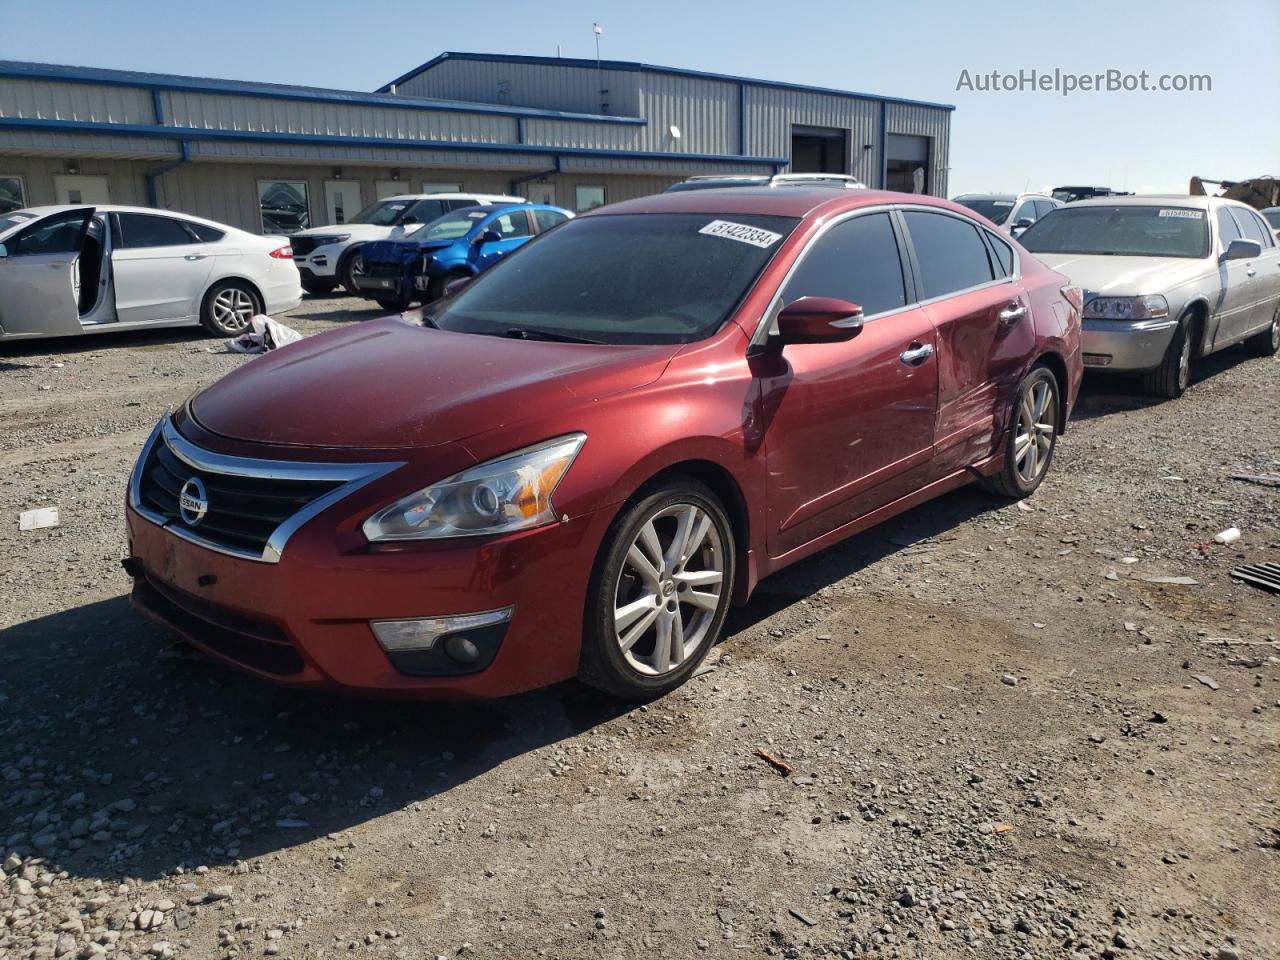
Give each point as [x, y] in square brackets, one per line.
[917, 354]
[1012, 313]
[195, 256]
[1251, 272]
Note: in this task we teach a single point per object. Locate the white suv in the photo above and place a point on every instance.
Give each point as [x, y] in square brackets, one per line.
[325, 255]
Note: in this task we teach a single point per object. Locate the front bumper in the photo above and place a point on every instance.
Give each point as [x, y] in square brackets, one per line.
[382, 287]
[304, 621]
[1121, 345]
[322, 262]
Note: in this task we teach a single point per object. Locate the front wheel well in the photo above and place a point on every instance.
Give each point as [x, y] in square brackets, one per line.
[1197, 313]
[722, 483]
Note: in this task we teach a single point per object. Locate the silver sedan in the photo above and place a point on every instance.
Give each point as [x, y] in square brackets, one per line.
[1166, 280]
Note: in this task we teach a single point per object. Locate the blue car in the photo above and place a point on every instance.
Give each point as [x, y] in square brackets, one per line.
[461, 244]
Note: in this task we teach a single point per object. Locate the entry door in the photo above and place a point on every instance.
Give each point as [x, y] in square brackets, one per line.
[341, 200]
[848, 426]
[77, 188]
[539, 193]
[512, 228]
[160, 269]
[1236, 301]
[39, 282]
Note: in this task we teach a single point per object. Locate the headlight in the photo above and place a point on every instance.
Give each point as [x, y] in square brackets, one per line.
[1127, 308]
[335, 238]
[503, 495]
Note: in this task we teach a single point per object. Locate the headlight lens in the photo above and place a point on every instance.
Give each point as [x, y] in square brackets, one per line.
[501, 496]
[334, 238]
[1127, 308]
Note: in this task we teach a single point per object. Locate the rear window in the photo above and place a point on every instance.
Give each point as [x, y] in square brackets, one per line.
[1122, 230]
[997, 211]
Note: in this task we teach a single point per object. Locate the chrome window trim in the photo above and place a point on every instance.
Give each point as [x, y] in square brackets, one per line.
[352, 477]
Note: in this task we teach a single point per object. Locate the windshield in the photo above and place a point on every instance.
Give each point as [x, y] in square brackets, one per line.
[451, 226]
[997, 211]
[625, 278]
[382, 213]
[1121, 231]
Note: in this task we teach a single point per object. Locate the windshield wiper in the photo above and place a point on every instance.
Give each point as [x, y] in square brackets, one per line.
[532, 333]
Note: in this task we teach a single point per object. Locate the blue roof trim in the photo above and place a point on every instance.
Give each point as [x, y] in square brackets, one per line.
[652, 68]
[205, 133]
[163, 81]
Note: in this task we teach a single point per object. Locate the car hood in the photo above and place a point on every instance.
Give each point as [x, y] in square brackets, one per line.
[1123, 276]
[400, 251]
[357, 231]
[386, 383]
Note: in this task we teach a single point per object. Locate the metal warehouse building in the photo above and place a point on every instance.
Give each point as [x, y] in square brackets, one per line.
[578, 133]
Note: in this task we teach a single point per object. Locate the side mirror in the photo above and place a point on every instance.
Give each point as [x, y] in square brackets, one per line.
[456, 284]
[1242, 249]
[489, 236]
[1023, 223]
[819, 320]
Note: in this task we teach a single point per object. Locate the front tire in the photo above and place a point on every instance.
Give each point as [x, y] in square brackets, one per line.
[394, 306]
[348, 266]
[228, 307]
[1171, 379]
[660, 592]
[1032, 436]
[1266, 343]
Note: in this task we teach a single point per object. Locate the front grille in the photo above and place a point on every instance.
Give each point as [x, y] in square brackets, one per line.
[302, 245]
[243, 511]
[255, 643]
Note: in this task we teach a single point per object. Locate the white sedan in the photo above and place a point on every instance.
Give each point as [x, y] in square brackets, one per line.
[74, 269]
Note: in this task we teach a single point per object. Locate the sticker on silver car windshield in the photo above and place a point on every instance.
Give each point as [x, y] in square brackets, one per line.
[1179, 212]
[741, 232]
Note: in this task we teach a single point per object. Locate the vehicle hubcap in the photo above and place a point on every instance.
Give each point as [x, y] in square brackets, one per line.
[1184, 364]
[232, 309]
[1275, 330]
[1033, 438]
[669, 589]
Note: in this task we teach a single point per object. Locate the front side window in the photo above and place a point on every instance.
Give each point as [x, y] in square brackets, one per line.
[1026, 211]
[1122, 230]
[1250, 227]
[949, 252]
[424, 211]
[452, 225]
[284, 206]
[144, 230]
[59, 233]
[996, 210]
[510, 225]
[593, 279]
[589, 197]
[1043, 207]
[13, 194]
[1272, 217]
[1228, 229]
[856, 260]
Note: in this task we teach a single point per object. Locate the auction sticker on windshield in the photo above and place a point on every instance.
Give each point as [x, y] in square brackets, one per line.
[741, 232]
[1179, 212]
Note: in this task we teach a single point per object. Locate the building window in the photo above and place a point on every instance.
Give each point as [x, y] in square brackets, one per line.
[589, 197]
[907, 164]
[441, 187]
[13, 193]
[284, 206]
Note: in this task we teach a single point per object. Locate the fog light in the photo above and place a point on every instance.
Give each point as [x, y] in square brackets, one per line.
[462, 649]
[402, 635]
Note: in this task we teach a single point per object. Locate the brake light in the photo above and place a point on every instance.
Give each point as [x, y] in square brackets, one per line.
[1075, 297]
[284, 253]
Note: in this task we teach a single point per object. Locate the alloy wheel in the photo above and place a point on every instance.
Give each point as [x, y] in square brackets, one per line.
[669, 589]
[1184, 363]
[1033, 439]
[232, 309]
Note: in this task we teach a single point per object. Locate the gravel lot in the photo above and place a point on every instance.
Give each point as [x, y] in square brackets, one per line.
[1006, 741]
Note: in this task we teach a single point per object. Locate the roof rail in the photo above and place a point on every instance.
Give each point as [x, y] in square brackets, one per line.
[781, 179]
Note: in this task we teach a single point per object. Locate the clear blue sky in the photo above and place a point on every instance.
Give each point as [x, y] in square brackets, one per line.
[1000, 141]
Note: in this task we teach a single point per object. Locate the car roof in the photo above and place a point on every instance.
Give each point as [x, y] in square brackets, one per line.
[447, 194]
[795, 201]
[47, 209]
[1147, 200]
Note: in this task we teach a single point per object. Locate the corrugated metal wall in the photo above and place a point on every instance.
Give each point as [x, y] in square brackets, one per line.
[771, 112]
[929, 122]
[47, 100]
[575, 89]
[56, 143]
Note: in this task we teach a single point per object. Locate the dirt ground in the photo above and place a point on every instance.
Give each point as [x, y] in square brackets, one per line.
[1006, 740]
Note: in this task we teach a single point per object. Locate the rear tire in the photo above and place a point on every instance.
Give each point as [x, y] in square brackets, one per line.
[660, 592]
[1171, 379]
[1031, 437]
[228, 307]
[1266, 343]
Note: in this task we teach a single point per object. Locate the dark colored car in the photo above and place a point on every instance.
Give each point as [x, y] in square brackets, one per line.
[577, 462]
[459, 245]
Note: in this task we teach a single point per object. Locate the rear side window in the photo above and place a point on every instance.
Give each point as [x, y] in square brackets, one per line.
[1228, 230]
[949, 252]
[1004, 255]
[856, 260]
[143, 230]
[1043, 207]
[510, 225]
[206, 233]
[1250, 226]
[546, 219]
[1026, 211]
[424, 211]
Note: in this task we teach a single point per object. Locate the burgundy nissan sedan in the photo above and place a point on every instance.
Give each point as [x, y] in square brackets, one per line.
[575, 464]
